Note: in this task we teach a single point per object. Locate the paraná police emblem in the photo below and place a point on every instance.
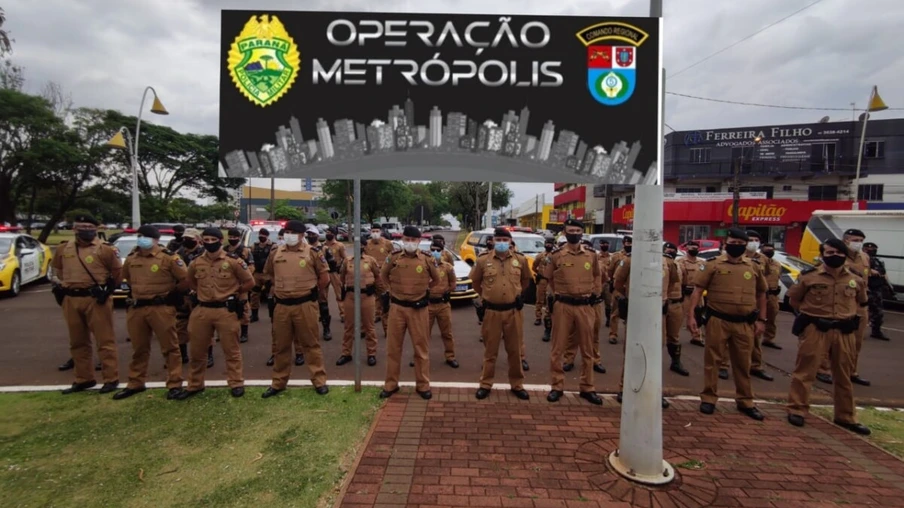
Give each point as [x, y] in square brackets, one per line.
[612, 68]
[852, 283]
[263, 60]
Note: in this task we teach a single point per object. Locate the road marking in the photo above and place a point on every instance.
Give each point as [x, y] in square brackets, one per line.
[893, 329]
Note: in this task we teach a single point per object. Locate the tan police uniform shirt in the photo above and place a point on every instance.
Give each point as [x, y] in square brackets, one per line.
[215, 280]
[574, 272]
[689, 269]
[621, 279]
[337, 249]
[446, 257]
[295, 271]
[379, 250]
[823, 295]
[732, 286]
[671, 277]
[409, 275]
[155, 272]
[614, 261]
[500, 278]
[370, 273]
[772, 270]
[445, 282]
[98, 259]
[244, 253]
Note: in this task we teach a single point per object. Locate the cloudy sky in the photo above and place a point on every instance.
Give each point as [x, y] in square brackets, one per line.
[828, 56]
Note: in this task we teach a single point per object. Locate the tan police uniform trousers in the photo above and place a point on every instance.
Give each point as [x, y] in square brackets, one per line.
[159, 320]
[813, 346]
[293, 324]
[84, 318]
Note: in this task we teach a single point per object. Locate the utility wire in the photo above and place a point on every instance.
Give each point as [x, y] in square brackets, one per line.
[776, 106]
[761, 30]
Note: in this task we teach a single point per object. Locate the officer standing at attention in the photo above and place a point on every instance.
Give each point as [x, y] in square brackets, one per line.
[540, 261]
[572, 350]
[478, 302]
[158, 281]
[178, 236]
[337, 253]
[689, 266]
[260, 252]
[606, 260]
[371, 285]
[617, 258]
[735, 314]
[234, 238]
[88, 270]
[877, 284]
[858, 264]
[446, 255]
[408, 274]
[218, 279]
[772, 271]
[574, 280]
[439, 309]
[299, 274]
[271, 305]
[380, 249]
[190, 250]
[500, 279]
[312, 236]
[827, 300]
[671, 321]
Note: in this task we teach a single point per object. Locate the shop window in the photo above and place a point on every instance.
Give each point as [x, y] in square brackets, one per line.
[700, 155]
[629, 200]
[687, 190]
[822, 193]
[874, 149]
[872, 192]
[615, 203]
[690, 232]
[712, 188]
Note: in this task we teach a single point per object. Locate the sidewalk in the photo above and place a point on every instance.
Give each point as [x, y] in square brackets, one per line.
[501, 452]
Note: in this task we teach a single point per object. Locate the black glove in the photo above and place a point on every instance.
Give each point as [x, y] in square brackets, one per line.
[550, 301]
[447, 297]
[519, 302]
[58, 294]
[385, 301]
[344, 291]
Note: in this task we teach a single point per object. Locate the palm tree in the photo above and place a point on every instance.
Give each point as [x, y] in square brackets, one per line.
[5, 42]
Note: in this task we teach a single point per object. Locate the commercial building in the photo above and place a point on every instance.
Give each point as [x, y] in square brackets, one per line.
[255, 201]
[535, 213]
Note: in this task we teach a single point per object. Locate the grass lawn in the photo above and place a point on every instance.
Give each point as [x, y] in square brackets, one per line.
[213, 450]
[887, 427]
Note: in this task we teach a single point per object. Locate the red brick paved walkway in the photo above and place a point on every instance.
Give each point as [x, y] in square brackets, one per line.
[457, 451]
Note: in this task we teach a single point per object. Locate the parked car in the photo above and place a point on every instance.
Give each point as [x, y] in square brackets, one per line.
[23, 260]
[704, 245]
[464, 289]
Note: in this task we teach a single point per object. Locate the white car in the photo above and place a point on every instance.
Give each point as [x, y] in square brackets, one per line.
[463, 290]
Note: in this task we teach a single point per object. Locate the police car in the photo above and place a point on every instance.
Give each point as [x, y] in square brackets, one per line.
[464, 289]
[23, 260]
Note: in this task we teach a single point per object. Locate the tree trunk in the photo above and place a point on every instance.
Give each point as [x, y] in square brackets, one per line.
[7, 204]
[31, 207]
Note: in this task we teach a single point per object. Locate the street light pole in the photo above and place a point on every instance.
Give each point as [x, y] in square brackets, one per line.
[875, 103]
[736, 195]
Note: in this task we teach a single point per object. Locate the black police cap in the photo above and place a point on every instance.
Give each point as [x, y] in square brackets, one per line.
[149, 231]
[86, 218]
[669, 245]
[411, 232]
[855, 232]
[214, 232]
[263, 232]
[767, 244]
[178, 228]
[502, 233]
[870, 245]
[753, 234]
[234, 232]
[295, 226]
[692, 244]
[627, 239]
[281, 232]
[737, 234]
[574, 223]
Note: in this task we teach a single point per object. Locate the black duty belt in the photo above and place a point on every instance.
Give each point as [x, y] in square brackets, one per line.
[733, 318]
[312, 297]
[500, 306]
[676, 300]
[774, 292]
[368, 290]
[77, 292]
[570, 300]
[864, 304]
[159, 300]
[418, 304]
[687, 290]
[213, 305]
[436, 300]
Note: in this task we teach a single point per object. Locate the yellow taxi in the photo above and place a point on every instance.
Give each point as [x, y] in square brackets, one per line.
[528, 244]
[23, 260]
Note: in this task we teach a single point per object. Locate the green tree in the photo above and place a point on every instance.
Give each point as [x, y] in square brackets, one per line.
[6, 43]
[322, 216]
[217, 211]
[282, 210]
[430, 199]
[467, 200]
[379, 198]
[107, 204]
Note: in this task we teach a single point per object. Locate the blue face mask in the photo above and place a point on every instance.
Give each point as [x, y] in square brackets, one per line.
[501, 246]
[437, 254]
[145, 242]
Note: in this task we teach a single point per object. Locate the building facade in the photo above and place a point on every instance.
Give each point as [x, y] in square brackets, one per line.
[535, 213]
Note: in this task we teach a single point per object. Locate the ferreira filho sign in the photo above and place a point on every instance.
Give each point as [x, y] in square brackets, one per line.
[439, 97]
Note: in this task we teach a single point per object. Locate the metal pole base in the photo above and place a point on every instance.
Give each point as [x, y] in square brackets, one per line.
[667, 475]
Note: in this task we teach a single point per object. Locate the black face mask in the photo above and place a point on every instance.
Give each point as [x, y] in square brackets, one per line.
[233, 241]
[573, 238]
[769, 253]
[178, 236]
[189, 244]
[693, 252]
[86, 235]
[628, 249]
[263, 239]
[834, 261]
[213, 247]
[670, 254]
[604, 248]
[311, 239]
[548, 248]
[331, 237]
[871, 253]
[735, 250]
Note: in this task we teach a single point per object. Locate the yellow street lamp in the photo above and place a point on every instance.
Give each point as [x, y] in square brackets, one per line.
[875, 103]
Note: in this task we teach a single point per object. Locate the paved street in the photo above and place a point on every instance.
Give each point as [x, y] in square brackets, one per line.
[34, 341]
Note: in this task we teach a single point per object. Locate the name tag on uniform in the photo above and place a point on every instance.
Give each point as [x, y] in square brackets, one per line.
[820, 286]
[724, 272]
[282, 260]
[568, 264]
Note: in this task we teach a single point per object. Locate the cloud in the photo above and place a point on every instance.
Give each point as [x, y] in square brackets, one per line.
[105, 52]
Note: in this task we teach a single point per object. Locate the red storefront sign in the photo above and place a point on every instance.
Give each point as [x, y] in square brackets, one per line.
[623, 214]
[774, 212]
[578, 213]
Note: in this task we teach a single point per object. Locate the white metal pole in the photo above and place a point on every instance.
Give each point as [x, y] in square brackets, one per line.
[856, 205]
[356, 231]
[136, 204]
[490, 204]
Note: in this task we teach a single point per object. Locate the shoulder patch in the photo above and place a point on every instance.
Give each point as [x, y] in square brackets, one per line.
[710, 260]
[179, 261]
[168, 252]
[808, 270]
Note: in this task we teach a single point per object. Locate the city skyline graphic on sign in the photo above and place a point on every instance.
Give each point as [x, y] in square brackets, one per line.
[558, 152]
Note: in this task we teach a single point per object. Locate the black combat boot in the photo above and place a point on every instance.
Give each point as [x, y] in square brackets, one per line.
[244, 337]
[209, 356]
[675, 354]
[254, 316]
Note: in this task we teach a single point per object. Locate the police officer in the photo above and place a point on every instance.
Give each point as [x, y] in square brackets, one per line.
[89, 270]
[299, 274]
[446, 255]
[574, 280]
[190, 250]
[627, 242]
[772, 271]
[670, 278]
[408, 275]
[312, 237]
[540, 261]
[671, 321]
[606, 260]
[857, 262]
[260, 252]
[178, 236]
[439, 308]
[500, 279]
[478, 303]
[371, 285]
[689, 266]
[827, 299]
[380, 248]
[158, 282]
[571, 351]
[877, 285]
[271, 305]
[337, 253]
[233, 246]
[218, 279]
[735, 314]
